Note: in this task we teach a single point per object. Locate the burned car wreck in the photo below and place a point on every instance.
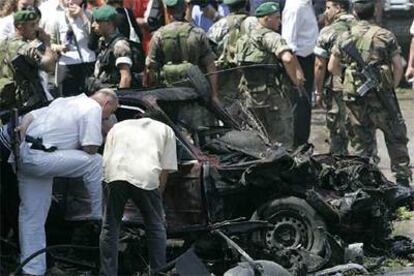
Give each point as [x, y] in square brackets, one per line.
[237, 197]
[228, 171]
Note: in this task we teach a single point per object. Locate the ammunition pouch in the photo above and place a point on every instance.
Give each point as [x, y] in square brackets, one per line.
[386, 78]
[8, 97]
[175, 74]
[259, 78]
[352, 80]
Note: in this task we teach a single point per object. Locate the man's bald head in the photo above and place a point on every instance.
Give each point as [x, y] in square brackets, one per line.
[108, 100]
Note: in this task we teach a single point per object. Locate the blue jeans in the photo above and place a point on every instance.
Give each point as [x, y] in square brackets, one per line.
[116, 194]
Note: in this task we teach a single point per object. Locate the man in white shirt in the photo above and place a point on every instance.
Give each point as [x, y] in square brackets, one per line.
[300, 30]
[60, 140]
[137, 157]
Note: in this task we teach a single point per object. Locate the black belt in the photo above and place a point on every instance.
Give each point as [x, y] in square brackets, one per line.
[37, 144]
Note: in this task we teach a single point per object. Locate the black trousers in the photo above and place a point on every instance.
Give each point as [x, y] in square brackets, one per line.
[9, 196]
[150, 205]
[303, 110]
[72, 78]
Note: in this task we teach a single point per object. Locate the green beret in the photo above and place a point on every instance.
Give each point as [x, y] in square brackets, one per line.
[104, 13]
[232, 2]
[24, 16]
[267, 8]
[173, 3]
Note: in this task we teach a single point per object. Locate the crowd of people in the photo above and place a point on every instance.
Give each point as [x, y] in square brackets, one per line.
[274, 57]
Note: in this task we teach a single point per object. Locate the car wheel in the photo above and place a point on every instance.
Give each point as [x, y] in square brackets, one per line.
[295, 225]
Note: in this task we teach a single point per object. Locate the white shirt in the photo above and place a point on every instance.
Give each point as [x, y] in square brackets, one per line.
[51, 11]
[137, 151]
[68, 123]
[7, 27]
[300, 27]
[412, 29]
[81, 30]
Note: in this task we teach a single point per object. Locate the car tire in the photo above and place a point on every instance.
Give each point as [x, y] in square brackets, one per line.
[295, 225]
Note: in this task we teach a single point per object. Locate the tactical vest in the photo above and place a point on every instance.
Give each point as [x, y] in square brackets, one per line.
[234, 23]
[353, 77]
[175, 52]
[107, 62]
[12, 93]
[251, 51]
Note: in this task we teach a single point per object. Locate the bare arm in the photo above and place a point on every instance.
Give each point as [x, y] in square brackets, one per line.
[211, 68]
[410, 66]
[90, 149]
[26, 121]
[163, 180]
[320, 71]
[48, 61]
[125, 73]
[397, 69]
[334, 65]
[293, 68]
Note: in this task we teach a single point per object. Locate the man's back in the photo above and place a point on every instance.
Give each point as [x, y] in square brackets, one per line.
[68, 123]
[193, 46]
[137, 150]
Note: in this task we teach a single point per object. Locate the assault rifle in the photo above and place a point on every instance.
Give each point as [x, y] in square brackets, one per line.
[27, 79]
[370, 72]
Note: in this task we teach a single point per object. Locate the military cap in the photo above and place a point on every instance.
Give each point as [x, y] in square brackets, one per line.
[173, 3]
[232, 2]
[104, 13]
[267, 8]
[25, 15]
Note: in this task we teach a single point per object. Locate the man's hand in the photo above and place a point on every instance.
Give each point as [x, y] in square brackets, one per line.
[90, 149]
[409, 73]
[58, 48]
[43, 36]
[318, 99]
[300, 78]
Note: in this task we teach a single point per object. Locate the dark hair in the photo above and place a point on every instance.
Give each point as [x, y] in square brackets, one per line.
[364, 11]
[178, 11]
[344, 4]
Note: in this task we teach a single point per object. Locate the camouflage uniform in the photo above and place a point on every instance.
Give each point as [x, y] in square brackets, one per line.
[106, 69]
[264, 90]
[192, 47]
[224, 33]
[11, 48]
[173, 49]
[376, 46]
[335, 106]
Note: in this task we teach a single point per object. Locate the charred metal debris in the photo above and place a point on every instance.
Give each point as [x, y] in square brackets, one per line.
[239, 204]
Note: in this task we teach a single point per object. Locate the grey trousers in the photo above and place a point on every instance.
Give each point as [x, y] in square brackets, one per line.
[149, 203]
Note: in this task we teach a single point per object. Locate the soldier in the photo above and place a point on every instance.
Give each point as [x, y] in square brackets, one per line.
[114, 61]
[27, 52]
[266, 90]
[176, 47]
[379, 108]
[339, 22]
[224, 34]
